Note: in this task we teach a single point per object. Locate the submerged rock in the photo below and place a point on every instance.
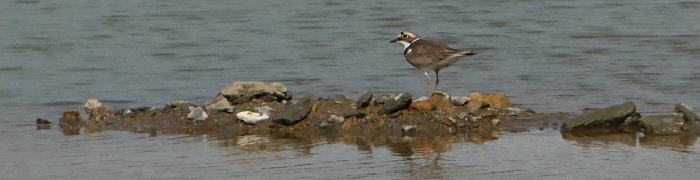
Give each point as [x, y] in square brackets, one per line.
[295, 113]
[662, 124]
[252, 117]
[613, 115]
[241, 92]
[365, 99]
[400, 102]
[42, 121]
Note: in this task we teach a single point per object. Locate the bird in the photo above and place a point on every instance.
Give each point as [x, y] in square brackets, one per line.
[428, 55]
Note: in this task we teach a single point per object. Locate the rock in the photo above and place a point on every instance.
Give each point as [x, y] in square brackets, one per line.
[356, 114]
[365, 99]
[98, 114]
[476, 101]
[265, 110]
[71, 118]
[512, 111]
[613, 115]
[408, 128]
[497, 101]
[252, 117]
[495, 121]
[462, 115]
[422, 98]
[335, 119]
[662, 124]
[442, 102]
[241, 92]
[459, 101]
[179, 103]
[400, 102]
[339, 98]
[197, 114]
[422, 106]
[220, 103]
[632, 119]
[42, 121]
[295, 113]
[687, 112]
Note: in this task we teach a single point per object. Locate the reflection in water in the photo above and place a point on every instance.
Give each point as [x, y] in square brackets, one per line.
[609, 136]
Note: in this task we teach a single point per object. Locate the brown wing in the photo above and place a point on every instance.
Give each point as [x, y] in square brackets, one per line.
[425, 52]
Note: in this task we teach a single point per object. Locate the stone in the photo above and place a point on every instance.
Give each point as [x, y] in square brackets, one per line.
[241, 92]
[400, 102]
[476, 101]
[98, 113]
[267, 110]
[365, 99]
[422, 106]
[613, 115]
[295, 113]
[497, 101]
[71, 118]
[512, 111]
[459, 101]
[336, 119]
[356, 114]
[42, 121]
[687, 112]
[408, 128]
[197, 114]
[179, 103]
[442, 102]
[462, 115]
[633, 119]
[252, 117]
[495, 121]
[220, 103]
[662, 124]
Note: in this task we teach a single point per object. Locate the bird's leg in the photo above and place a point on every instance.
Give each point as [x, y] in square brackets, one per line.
[427, 84]
[437, 79]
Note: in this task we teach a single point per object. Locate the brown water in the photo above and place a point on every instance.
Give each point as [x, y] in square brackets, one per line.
[547, 56]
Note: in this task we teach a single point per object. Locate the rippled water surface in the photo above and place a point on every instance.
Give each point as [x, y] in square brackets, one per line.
[547, 56]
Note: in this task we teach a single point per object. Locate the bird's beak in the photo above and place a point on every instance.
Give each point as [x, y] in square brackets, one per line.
[394, 40]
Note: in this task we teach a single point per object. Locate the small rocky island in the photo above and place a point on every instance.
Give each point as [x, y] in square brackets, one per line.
[268, 109]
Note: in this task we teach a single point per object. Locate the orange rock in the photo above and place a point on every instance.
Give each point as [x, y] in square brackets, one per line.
[475, 104]
[476, 96]
[498, 100]
[422, 106]
[441, 101]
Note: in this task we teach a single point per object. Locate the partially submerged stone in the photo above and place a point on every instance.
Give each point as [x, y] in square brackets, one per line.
[251, 117]
[295, 113]
[687, 112]
[98, 114]
[613, 115]
[42, 121]
[662, 124]
[400, 102]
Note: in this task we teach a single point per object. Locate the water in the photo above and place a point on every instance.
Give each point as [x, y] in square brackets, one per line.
[548, 56]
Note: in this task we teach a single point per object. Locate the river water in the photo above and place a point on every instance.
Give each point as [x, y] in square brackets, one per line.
[549, 56]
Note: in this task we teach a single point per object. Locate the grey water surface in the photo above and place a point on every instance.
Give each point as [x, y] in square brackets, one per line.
[549, 56]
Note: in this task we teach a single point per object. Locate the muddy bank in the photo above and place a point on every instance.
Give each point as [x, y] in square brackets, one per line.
[254, 110]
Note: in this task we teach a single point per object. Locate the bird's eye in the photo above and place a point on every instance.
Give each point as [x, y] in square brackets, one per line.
[404, 36]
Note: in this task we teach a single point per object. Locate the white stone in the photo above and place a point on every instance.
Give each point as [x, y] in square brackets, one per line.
[252, 117]
[336, 119]
[92, 104]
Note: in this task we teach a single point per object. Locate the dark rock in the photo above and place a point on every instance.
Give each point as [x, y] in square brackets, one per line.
[295, 113]
[396, 114]
[613, 115]
[400, 102]
[364, 100]
[356, 114]
[42, 121]
[71, 118]
[632, 119]
[220, 103]
[339, 98]
[687, 112]
[241, 92]
[662, 124]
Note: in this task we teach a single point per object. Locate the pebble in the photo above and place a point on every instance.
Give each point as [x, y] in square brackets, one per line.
[267, 110]
[463, 115]
[335, 119]
[459, 101]
[252, 117]
[495, 121]
[42, 121]
[513, 111]
[407, 128]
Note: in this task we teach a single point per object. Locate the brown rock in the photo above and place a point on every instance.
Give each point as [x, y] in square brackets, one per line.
[422, 106]
[498, 100]
[476, 102]
[98, 114]
[71, 118]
